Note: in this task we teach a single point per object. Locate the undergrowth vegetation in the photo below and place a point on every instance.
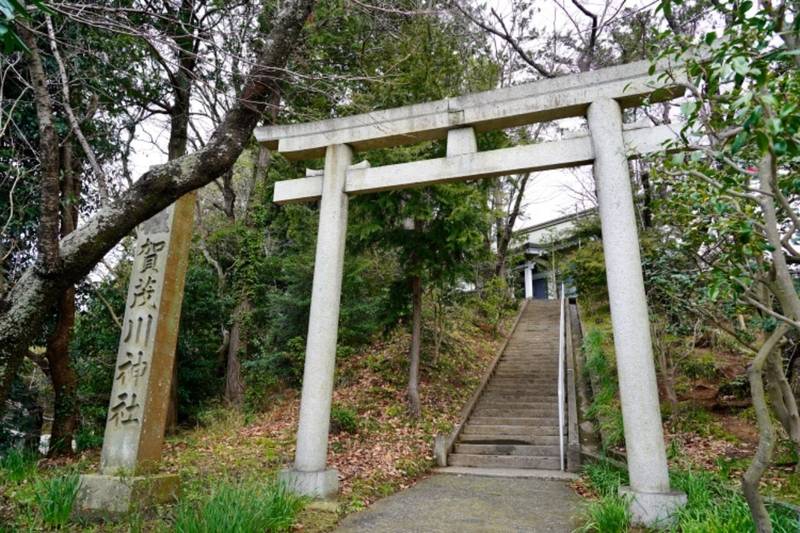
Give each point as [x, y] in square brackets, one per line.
[709, 423]
[55, 498]
[713, 506]
[375, 444]
[239, 507]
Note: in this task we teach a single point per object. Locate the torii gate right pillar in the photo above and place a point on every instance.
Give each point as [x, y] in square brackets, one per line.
[652, 500]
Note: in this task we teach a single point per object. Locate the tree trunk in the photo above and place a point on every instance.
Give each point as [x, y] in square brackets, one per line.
[48, 234]
[54, 224]
[668, 379]
[64, 378]
[647, 199]
[506, 228]
[782, 398]
[783, 288]
[24, 308]
[234, 385]
[62, 373]
[766, 434]
[414, 404]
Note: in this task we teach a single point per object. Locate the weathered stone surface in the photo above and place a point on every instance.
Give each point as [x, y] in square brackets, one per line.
[644, 440]
[318, 484]
[467, 165]
[656, 510]
[143, 372]
[310, 476]
[539, 101]
[104, 495]
[143, 375]
[472, 504]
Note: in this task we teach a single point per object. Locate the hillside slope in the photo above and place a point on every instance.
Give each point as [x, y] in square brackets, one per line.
[377, 447]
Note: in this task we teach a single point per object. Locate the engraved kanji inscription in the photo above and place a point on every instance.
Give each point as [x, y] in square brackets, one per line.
[138, 331]
[150, 250]
[126, 410]
[143, 292]
[131, 370]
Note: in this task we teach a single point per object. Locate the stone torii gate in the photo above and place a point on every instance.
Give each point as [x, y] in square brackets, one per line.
[600, 96]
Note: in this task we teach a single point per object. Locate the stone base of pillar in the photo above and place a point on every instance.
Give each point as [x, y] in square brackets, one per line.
[320, 484]
[101, 495]
[653, 509]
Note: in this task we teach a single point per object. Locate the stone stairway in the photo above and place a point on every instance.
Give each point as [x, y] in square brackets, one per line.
[515, 421]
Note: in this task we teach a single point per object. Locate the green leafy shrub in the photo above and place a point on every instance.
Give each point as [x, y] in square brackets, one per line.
[55, 498]
[699, 366]
[18, 464]
[738, 387]
[343, 419]
[587, 269]
[494, 301]
[693, 419]
[88, 439]
[239, 508]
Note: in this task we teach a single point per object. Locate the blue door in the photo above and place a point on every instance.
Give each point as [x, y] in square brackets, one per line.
[540, 289]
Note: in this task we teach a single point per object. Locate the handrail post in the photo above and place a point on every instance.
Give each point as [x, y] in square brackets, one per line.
[561, 353]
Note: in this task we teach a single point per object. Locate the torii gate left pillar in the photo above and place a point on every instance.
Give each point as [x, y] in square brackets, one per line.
[310, 475]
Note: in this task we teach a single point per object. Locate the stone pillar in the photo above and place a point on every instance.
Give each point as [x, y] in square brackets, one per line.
[652, 500]
[528, 281]
[309, 475]
[143, 372]
[461, 141]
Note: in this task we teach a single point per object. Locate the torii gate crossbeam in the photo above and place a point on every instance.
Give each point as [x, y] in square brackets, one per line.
[600, 96]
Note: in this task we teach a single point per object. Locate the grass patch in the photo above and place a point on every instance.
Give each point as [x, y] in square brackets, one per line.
[609, 514]
[689, 418]
[604, 477]
[239, 508]
[605, 406]
[714, 505]
[18, 465]
[343, 419]
[55, 498]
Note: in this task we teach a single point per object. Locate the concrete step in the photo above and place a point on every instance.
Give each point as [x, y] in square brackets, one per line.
[512, 412]
[526, 384]
[509, 430]
[548, 393]
[521, 406]
[532, 440]
[512, 377]
[506, 461]
[513, 421]
[541, 377]
[512, 399]
[507, 449]
[546, 388]
[508, 405]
